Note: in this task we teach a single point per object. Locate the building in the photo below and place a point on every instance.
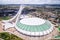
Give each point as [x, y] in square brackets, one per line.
[31, 28]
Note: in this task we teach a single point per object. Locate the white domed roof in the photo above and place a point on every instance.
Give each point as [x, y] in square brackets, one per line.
[34, 26]
[32, 21]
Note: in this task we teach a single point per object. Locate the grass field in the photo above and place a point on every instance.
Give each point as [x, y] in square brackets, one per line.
[4, 18]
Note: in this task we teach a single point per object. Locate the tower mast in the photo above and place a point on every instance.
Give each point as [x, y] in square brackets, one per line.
[19, 12]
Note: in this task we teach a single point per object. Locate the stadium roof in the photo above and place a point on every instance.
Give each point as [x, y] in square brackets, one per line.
[32, 26]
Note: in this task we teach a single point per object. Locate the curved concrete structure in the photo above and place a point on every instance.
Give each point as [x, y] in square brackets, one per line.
[34, 26]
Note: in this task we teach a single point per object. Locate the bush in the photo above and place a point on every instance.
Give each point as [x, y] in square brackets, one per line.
[59, 28]
[8, 36]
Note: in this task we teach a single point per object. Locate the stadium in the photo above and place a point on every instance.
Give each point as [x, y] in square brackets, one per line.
[37, 20]
[30, 28]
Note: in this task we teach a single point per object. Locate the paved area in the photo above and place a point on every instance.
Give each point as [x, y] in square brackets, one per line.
[1, 27]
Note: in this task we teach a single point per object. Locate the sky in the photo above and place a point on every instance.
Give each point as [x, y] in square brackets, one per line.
[29, 1]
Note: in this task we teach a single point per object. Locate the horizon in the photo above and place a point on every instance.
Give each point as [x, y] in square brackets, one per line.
[30, 2]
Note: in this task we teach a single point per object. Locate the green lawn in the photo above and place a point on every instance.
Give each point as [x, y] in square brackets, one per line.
[8, 36]
[58, 37]
[59, 28]
[4, 18]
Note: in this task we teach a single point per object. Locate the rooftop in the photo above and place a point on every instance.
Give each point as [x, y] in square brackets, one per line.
[32, 25]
